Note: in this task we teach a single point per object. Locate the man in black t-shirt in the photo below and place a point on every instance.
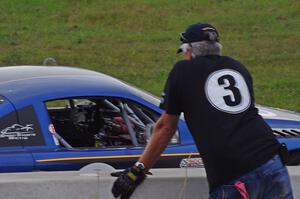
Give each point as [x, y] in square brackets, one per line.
[215, 93]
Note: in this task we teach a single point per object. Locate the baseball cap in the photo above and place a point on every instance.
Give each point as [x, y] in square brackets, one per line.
[199, 32]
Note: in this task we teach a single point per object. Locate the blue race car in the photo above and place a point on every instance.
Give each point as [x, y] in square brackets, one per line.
[63, 118]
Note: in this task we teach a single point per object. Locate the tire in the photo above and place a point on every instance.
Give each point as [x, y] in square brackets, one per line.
[294, 158]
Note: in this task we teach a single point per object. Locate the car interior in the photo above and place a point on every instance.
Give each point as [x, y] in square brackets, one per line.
[102, 122]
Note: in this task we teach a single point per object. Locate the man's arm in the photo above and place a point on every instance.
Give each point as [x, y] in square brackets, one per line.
[129, 179]
[163, 131]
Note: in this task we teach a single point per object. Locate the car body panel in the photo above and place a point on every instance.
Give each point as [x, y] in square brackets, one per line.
[16, 160]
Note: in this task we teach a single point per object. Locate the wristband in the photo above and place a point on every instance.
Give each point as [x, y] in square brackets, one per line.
[140, 166]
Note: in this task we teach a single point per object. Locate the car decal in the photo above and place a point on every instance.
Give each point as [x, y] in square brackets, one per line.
[111, 157]
[191, 162]
[18, 132]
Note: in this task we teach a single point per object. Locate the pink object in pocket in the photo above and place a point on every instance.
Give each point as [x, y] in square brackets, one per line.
[240, 186]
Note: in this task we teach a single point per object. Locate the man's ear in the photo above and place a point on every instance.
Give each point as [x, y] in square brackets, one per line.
[188, 55]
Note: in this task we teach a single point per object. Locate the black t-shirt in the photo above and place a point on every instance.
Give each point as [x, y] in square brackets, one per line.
[216, 96]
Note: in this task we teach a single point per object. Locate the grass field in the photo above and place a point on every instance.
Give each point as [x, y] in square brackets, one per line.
[136, 40]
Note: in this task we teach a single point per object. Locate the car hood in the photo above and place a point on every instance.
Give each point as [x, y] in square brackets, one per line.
[277, 114]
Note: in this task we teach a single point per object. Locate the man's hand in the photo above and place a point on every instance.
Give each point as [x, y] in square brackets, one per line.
[127, 181]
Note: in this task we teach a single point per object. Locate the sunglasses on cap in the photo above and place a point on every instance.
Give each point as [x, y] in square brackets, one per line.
[182, 38]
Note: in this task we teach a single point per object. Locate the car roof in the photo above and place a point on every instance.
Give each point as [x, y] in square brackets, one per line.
[28, 82]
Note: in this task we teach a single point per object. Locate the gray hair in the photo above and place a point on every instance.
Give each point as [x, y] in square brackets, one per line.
[203, 48]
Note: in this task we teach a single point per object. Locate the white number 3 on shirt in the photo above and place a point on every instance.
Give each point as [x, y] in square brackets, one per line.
[227, 91]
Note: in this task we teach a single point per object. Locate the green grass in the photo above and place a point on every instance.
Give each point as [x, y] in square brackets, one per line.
[136, 40]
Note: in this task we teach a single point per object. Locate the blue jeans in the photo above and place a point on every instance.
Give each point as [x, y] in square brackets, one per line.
[269, 181]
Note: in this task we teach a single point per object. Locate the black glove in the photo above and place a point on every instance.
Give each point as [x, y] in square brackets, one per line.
[127, 181]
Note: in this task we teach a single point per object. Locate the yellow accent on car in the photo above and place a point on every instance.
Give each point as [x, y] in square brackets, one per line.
[111, 157]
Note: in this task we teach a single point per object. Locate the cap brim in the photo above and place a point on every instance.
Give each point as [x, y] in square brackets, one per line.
[179, 50]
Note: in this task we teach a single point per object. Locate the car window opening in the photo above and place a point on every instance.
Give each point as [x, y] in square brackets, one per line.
[102, 122]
